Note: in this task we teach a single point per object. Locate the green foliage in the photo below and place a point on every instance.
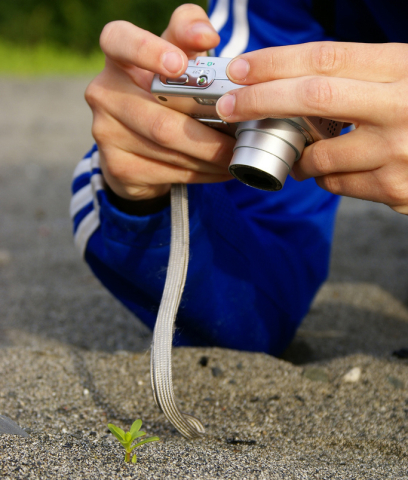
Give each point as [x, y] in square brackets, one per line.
[43, 59]
[127, 438]
[77, 24]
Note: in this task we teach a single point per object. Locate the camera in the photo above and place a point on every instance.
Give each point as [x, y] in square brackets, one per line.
[266, 149]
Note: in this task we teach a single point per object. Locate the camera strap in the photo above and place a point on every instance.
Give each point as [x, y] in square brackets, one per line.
[160, 358]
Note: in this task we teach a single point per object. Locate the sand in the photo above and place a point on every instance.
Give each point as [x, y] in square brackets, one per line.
[72, 359]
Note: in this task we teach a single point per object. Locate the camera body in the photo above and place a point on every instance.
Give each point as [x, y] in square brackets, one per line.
[266, 149]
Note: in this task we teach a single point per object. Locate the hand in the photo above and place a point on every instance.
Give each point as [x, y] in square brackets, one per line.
[145, 147]
[365, 84]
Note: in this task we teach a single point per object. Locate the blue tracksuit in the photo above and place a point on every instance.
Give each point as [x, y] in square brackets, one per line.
[257, 258]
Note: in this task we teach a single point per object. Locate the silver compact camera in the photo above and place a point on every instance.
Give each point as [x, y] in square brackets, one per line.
[266, 149]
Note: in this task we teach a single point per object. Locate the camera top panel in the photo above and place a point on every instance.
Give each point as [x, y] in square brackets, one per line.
[218, 64]
[200, 73]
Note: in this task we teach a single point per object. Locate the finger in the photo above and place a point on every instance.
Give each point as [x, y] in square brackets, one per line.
[340, 99]
[140, 77]
[381, 185]
[132, 176]
[190, 29]
[140, 112]
[108, 131]
[173, 130]
[359, 61]
[359, 150]
[126, 44]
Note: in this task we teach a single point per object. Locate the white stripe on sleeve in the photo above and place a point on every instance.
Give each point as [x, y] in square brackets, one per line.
[240, 32]
[95, 160]
[81, 198]
[86, 195]
[220, 14]
[97, 183]
[85, 229]
[84, 166]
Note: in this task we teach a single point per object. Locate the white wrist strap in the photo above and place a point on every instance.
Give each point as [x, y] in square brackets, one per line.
[160, 360]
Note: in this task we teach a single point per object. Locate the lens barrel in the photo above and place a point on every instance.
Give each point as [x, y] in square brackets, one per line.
[265, 152]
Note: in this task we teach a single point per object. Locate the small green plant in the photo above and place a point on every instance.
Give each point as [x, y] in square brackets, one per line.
[127, 438]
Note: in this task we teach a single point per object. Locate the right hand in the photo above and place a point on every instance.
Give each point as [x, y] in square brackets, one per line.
[145, 147]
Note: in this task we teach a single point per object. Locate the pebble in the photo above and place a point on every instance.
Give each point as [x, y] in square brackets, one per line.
[353, 375]
[395, 382]
[316, 374]
[8, 426]
[401, 353]
[203, 361]
[216, 371]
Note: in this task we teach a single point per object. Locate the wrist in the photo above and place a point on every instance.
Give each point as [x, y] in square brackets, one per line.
[139, 208]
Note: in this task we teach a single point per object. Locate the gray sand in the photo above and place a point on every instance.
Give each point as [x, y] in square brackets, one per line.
[72, 359]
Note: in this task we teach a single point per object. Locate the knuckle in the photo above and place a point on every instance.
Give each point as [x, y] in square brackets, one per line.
[254, 100]
[93, 94]
[317, 93]
[100, 131]
[164, 129]
[189, 176]
[108, 32]
[326, 58]
[224, 152]
[397, 148]
[115, 169]
[403, 209]
[395, 189]
[130, 191]
[271, 67]
[321, 158]
[187, 9]
[399, 100]
[331, 183]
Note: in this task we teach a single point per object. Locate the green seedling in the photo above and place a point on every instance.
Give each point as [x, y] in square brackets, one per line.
[127, 438]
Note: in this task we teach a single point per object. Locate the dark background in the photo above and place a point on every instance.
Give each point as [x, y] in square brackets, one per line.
[77, 24]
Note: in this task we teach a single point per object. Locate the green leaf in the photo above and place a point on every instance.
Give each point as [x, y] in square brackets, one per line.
[118, 432]
[147, 440]
[135, 427]
[128, 437]
[137, 435]
[134, 458]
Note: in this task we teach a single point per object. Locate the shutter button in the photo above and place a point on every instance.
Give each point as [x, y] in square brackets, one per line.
[177, 81]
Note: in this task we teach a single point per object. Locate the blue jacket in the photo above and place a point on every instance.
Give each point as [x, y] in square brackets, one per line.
[257, 258]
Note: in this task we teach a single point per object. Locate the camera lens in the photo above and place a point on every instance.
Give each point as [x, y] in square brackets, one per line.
[256, 178]
[202, 80]
[265, 152]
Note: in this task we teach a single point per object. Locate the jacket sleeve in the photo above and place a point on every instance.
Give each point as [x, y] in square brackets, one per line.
[256, 258]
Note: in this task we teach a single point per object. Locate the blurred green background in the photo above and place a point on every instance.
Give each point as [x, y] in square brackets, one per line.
[62, 36]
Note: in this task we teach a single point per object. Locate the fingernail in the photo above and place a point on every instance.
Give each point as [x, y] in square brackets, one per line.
[172, 62]
[201, 28]
[238, 69]
[225, 105]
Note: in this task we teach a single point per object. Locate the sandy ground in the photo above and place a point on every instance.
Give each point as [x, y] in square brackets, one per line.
[72, 359]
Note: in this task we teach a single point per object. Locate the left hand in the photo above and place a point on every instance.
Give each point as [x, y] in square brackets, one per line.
[364, 84]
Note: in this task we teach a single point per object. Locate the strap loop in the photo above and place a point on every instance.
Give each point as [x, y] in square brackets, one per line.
[160, 359]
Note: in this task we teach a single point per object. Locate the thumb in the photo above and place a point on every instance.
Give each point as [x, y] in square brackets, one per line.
[190, 30]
